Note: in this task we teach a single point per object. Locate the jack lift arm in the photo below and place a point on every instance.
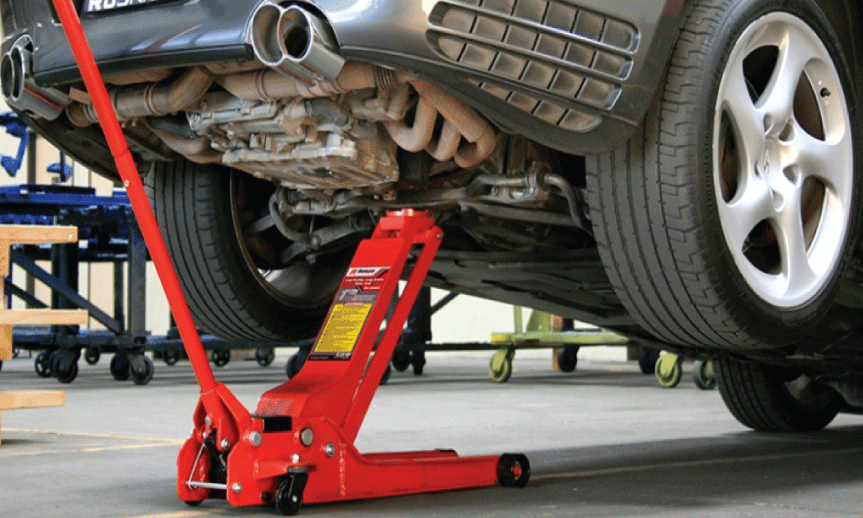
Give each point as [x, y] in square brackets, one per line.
[299, 444]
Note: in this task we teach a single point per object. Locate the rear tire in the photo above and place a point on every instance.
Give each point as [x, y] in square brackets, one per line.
[202, 211]
[729, 218]
[773, 399]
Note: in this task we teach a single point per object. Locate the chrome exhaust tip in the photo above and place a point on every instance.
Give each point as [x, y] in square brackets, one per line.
[295, 42]
[19, 89]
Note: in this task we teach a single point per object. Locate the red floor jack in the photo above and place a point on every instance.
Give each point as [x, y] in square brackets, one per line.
[298, 446]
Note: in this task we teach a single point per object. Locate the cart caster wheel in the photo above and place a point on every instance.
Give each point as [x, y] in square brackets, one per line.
[92, 355]
[265, 356]
[16, 351]
[668, 370]
[42, 365]
[500, 365]
[1, 365]
[53, 359]
[702, 375]
[418, 361]
[289, 493]
[194, 503]
[120, 367]
[386, 376]
[296, 362]
[143, 375]
[402, 360]
[221, 357]
[171, 356]
[567, 358]
[647, 358]
[65, 366]
[513, 470]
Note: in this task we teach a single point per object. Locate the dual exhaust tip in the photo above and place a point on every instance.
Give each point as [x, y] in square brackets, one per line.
[20, 90]
[295, 42]
[291, 40]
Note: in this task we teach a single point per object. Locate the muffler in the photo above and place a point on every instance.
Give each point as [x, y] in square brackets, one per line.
[20, 91]
[295, 42]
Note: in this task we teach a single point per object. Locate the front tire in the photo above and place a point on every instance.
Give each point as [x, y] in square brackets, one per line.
[773, 399]
[728, 220]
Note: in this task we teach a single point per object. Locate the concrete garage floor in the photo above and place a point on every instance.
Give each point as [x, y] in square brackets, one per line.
[603, 441]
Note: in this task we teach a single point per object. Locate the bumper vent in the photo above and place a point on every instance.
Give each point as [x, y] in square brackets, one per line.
[542, 57]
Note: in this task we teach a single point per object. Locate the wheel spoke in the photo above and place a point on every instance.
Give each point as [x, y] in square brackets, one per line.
[745, 117]
[750, 207]
[797, 272]
[825, 160]
[777, 101]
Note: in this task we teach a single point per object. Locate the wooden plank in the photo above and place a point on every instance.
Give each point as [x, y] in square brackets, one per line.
[4, 257]
[31, 399]
[38, 234]
[42, 317]
[6, 343]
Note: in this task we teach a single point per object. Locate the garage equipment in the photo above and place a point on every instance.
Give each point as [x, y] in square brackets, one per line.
[31, 234]
[669, 371]
[298, 445]
[539, 333]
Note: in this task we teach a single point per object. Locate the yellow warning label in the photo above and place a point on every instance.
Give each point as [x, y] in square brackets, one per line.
[342, 329]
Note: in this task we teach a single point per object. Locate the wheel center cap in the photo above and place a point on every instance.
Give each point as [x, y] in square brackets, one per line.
[770, 168]
[770, 165]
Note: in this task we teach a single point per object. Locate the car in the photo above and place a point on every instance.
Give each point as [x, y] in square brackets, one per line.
[684, 172]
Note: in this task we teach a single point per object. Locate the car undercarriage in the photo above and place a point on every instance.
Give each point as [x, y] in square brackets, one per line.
[696, 189]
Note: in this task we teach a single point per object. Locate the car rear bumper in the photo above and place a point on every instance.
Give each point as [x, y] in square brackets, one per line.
[578, 77]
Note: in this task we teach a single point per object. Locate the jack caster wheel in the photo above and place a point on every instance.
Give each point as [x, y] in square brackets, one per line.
[289, 493]
[120, 367]
[668, 370]
[42, 365]
[265, 356]
[702, 375]
[500, 365]
[513, 470]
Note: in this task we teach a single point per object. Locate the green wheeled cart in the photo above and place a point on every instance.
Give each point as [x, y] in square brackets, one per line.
[540, 333]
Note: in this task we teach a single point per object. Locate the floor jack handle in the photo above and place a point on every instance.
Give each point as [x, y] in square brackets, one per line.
[135, 189]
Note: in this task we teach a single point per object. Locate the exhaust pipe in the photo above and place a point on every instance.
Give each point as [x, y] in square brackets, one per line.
[295, 42]
[150, 99]
[21, 91]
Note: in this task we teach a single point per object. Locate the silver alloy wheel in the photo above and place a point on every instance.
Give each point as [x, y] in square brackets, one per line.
[783, 160]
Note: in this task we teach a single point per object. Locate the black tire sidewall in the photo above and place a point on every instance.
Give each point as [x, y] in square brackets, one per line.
[225, 292]
[765, 322]
[756, 395]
